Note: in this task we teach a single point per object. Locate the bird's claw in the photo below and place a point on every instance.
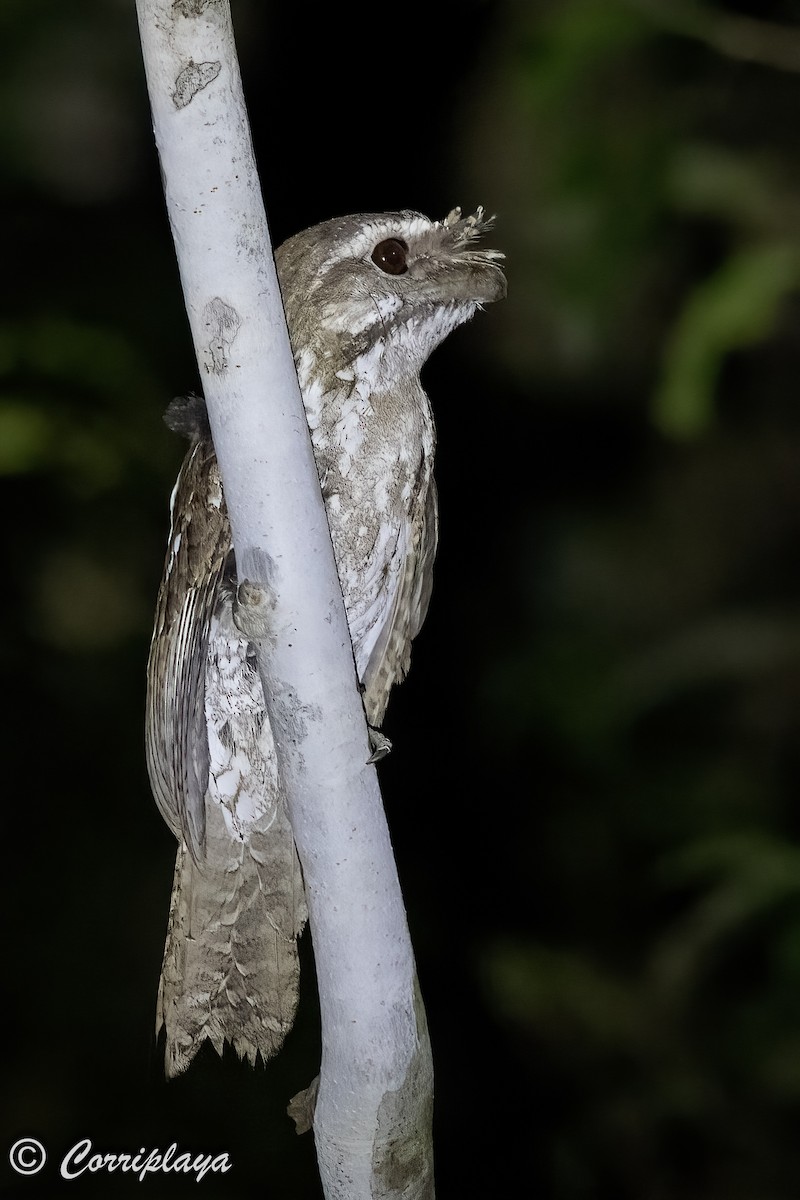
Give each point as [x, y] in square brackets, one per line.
[379, 744]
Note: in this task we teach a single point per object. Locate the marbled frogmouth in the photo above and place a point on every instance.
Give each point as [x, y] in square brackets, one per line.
[367, 299]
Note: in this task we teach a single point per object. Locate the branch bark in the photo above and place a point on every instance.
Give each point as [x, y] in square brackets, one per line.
[372, 1122]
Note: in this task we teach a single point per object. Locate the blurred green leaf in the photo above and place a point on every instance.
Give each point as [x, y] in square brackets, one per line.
[25, 438]
[737, 188]
[735, 308]
[59, 348]
[71, 401]
[564, 41]
[561, 993]
[742, 876]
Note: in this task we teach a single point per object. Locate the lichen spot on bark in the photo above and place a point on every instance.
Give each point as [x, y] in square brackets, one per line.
[192, 79]
[222, 323]
[402, 1151]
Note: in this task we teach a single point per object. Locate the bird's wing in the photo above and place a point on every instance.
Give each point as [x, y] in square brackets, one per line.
[391, 655]
[176, 738]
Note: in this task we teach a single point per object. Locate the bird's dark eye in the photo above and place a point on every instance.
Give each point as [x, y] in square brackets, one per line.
[391, 256]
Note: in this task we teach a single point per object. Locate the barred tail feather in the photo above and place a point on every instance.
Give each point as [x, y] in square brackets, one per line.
[230, 970]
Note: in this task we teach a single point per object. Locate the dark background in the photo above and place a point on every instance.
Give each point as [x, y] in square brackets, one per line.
[593, 791]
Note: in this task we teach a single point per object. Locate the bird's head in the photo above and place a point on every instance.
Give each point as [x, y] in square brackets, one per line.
[379, 291]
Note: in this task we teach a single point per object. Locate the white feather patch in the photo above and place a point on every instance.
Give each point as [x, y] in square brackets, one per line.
[243, 769]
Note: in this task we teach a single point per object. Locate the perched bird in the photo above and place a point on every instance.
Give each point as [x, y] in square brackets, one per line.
[367, 299]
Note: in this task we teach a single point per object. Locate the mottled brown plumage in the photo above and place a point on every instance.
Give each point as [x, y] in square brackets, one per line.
[367, 299]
